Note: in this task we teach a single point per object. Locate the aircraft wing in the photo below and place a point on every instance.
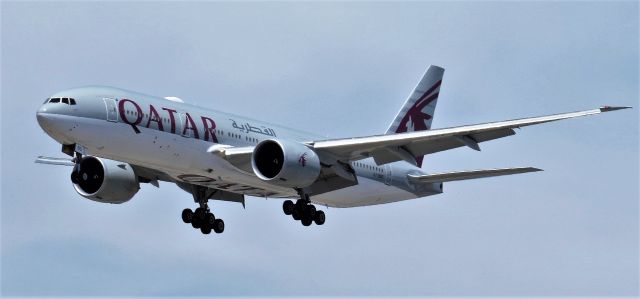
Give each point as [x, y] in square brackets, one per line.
[468, 175]
[406, 146]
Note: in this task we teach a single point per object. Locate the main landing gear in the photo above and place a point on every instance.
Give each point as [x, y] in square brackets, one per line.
[303, 210]
[202, 218]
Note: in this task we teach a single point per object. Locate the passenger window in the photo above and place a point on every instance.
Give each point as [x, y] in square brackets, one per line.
[55, 100]
[65, 100]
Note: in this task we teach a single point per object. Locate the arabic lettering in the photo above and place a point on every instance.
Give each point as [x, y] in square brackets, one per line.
[247, 127]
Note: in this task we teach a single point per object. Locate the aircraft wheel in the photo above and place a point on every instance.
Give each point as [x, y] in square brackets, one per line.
[199, 210]
[198, 218]
[288, 207]
[187, 215]
[306, 221]
[209, 220]
[205, 229]
[195, 223]
[218, 226]
[310, 210]
[319, 218]
[296, 214]
[300, 204]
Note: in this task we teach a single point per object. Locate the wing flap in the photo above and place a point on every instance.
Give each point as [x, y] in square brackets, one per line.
[468, 175]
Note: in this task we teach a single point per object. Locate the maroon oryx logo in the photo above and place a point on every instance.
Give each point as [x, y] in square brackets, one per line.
[303, 160]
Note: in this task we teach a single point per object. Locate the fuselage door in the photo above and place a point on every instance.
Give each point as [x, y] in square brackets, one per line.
[388, 176]
[112, 112]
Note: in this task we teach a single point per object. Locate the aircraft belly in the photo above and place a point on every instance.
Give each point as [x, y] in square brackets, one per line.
[367, 192]
[184, 159]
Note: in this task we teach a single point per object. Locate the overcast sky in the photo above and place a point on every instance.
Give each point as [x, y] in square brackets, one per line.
[339, 70]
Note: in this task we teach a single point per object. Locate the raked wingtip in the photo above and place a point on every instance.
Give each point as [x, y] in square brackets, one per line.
[613, 108]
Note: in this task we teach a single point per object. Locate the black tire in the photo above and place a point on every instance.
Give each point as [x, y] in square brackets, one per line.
[296, 214]
[209, 220]
[205, 229]
[310, 211]
[288, 207]
[198, 218]
[218, 226]
[199, 210]
[195, 222]
[319, 218]
[306, 221]
[187, 215]
[300, 204]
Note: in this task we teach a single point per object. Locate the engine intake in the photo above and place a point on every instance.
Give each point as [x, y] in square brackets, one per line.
[284, 163]
[104, 180]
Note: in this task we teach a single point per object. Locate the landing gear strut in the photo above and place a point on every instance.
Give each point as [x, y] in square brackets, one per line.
[202, 218]
[303, 210]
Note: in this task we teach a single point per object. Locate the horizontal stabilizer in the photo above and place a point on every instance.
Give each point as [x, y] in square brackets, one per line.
[55, 161]
[468, 175]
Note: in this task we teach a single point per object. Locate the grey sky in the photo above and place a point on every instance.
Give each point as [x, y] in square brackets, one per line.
[339, 69]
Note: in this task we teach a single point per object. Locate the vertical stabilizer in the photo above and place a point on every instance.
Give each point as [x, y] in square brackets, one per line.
[418, 110]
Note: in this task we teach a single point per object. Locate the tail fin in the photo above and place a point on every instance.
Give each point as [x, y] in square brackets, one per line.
[418, 110]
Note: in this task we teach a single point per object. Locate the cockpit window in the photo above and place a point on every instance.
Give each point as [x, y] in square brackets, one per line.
[68, 101]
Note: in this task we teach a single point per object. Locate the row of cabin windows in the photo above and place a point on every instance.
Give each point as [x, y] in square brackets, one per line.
[68, 101]
[251, 139]
[246, 138]
[369, 167]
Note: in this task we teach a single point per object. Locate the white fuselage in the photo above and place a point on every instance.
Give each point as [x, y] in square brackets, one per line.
[172, 138]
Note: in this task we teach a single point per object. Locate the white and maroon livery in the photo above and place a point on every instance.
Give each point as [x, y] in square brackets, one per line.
[118, 139]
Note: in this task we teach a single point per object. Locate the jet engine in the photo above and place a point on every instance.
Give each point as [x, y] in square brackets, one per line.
[104, 180]
[286, 164]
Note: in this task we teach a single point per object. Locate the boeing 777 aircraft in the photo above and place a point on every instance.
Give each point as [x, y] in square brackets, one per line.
[117, 139]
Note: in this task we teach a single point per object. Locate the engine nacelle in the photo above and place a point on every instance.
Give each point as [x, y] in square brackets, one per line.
[285, 163]
[104, 180]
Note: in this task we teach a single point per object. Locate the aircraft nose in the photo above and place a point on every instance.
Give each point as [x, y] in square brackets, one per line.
[41, 110]
[51, 123]
[41, 116]
[45, 114]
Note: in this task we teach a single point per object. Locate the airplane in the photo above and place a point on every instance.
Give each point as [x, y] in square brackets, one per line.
[117, 139]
